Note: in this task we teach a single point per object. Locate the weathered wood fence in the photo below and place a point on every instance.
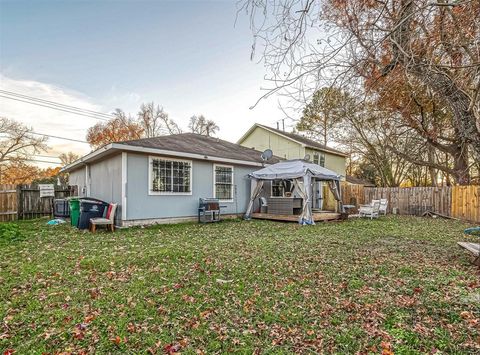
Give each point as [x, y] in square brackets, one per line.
[461, 202]
[8, 203]
[24, 202]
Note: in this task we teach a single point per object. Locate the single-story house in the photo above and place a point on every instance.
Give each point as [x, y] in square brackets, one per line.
[160, 180]
[289, 145]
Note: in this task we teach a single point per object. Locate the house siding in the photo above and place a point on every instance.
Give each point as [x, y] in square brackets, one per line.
[77, 178]
[142, 206]
[333, 162]
[261, 139]
[104, 181]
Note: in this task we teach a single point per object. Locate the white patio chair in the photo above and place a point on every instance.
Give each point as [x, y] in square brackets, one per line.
[109, 222]
[370, 210]
[383, 206]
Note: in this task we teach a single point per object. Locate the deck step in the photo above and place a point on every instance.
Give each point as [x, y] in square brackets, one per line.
[473, 248]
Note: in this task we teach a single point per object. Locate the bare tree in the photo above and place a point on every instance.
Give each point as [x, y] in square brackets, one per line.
[68, 158]
[200, 125]
[359, 44]
[17, 142]
[155, 121]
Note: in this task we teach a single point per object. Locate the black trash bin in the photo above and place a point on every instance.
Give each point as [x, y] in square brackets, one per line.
[61, 208]
[90, 208]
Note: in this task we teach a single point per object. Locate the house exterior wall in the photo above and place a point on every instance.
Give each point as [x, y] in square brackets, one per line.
[77, 177]
[104, 181]
[261, 139]
[143, 206]
[333, 162]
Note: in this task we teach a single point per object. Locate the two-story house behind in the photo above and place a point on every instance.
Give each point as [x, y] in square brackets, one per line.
[293, 146]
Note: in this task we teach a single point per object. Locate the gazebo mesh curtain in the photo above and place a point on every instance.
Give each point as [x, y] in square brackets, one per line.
[256, 190]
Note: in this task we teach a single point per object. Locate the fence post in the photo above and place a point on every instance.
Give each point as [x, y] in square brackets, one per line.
[19, 202]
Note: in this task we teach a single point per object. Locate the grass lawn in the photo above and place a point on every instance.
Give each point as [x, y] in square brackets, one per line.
[397, 284]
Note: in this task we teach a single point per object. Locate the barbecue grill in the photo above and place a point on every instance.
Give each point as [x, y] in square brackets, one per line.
[208, 210]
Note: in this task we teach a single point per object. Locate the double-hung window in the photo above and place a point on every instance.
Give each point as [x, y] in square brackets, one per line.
[170, 176]
[223, 182]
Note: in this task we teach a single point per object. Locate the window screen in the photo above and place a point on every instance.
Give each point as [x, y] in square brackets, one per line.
[224, 182]
[171, 176]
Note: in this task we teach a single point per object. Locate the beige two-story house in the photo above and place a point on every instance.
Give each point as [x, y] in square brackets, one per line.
[289, 145]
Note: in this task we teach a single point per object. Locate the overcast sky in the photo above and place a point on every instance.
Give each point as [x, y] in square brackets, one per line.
[188, 56]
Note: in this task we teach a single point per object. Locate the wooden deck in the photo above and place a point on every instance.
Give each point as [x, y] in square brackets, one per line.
[317, 216]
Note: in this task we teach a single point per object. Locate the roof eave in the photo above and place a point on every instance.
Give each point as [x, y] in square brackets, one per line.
[146, 150]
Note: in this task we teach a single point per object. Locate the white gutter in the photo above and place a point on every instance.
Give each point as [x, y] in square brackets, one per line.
[129, 148]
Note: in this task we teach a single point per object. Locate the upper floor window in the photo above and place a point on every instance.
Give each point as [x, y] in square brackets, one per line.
[319, 158]
[168, 176]
[223, 182]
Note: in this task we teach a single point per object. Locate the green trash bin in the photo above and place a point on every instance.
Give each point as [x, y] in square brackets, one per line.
[74, 211]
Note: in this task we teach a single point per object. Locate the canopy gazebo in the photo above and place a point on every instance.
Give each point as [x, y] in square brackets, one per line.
[303, 175]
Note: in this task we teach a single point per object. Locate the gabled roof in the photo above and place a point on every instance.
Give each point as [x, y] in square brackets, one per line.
[186, 145]
[310, 143]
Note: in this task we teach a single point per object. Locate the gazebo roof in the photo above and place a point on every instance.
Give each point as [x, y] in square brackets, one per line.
[292, 169]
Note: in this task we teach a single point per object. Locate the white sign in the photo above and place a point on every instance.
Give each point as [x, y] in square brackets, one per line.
[46, 190]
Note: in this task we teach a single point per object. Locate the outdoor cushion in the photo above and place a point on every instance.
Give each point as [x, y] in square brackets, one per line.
[109, 211]
[100, 221]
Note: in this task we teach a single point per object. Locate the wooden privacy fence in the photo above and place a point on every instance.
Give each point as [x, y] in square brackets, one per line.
[8, 203]
[24, 202]
[461, 202]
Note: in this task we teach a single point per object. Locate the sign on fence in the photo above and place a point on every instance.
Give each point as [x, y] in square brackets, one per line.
[46, 190]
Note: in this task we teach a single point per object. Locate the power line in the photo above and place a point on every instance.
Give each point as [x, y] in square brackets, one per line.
[43, 161]
[54, 108]
[49, 135]
[69, 107]
[58, 137]
[47, 156]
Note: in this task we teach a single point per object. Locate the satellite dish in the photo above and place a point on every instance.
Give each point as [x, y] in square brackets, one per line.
[307, 157]
[267, 154]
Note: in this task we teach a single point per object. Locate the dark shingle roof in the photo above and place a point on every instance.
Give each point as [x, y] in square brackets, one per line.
[200, 144]
[304, 140]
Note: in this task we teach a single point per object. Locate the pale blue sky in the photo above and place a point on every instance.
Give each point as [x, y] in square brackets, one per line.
[185, 55]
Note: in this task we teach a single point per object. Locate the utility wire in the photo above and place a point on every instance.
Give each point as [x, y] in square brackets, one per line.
[58, 137]
[43, 161]
[54, 108]
[69, 107]
[47, 156]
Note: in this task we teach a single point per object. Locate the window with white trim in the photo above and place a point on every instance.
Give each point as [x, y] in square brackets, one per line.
[223, 182]
[170, 176]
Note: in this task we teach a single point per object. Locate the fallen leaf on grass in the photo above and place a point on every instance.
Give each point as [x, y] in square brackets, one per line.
[117, 340]
[221, 281]
[172, 348]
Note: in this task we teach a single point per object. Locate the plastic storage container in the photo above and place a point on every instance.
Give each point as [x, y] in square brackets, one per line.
[90, 208]
[61, 208]
[74, 211]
